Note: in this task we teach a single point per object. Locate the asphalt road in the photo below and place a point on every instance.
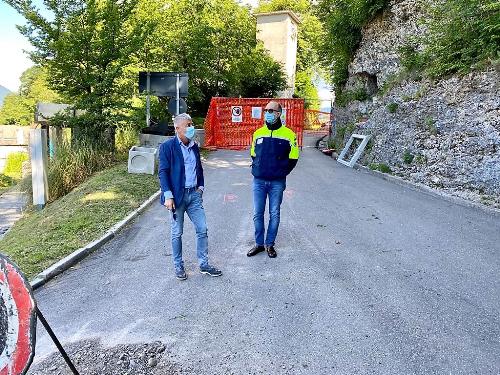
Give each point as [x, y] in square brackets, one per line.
[371, 277]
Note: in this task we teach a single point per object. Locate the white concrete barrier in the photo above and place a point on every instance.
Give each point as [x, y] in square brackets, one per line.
[142, 160]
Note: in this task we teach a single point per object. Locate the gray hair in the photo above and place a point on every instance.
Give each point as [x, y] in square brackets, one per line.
[179, 118]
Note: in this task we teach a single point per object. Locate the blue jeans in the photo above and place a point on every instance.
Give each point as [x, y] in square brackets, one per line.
[261, 190]
[192, 204]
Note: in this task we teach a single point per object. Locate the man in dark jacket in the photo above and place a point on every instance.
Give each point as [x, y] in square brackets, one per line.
[182, 183]
[274, 154]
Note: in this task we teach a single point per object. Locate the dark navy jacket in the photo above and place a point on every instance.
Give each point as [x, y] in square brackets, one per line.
[171, 172]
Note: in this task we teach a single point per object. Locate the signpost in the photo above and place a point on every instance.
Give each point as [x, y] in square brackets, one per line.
[165, 84]
[18, 318]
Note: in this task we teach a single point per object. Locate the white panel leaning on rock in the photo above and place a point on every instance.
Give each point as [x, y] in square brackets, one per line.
[359, 150]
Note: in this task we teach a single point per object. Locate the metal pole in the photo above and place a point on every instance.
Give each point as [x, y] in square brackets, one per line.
[148, 88]
[56, 341]
[177, 84]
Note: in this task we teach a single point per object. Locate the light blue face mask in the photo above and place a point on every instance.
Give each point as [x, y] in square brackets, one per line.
[269, 117]
[190, 132]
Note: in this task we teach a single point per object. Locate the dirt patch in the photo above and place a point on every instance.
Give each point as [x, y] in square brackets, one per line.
[90, 358]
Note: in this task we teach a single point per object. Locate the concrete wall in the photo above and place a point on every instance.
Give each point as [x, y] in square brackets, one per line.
[12, 139]
[278, 32]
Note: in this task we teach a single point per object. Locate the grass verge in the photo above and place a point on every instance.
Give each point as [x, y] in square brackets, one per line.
[41, 238]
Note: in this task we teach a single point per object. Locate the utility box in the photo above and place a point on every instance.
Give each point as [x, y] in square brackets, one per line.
[142, 160]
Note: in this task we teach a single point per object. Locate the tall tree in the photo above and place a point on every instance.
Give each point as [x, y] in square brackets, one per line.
[85, 45]
[214, 41]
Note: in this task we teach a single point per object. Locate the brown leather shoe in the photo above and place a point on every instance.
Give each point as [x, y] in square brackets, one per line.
[255, 250]
[271, 252]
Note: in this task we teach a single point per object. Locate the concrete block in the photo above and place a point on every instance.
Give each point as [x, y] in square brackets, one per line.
[142, 160]
[152, 140]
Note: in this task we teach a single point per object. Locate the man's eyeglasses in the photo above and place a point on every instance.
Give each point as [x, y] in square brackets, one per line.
[270, 110]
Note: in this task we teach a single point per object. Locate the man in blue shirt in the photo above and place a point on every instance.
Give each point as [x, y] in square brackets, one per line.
[182, 183]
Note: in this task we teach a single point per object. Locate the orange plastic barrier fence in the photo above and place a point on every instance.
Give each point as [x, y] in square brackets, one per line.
[317, 120]
[231, 122]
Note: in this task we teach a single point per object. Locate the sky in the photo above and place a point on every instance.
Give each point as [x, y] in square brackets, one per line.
[14, 61]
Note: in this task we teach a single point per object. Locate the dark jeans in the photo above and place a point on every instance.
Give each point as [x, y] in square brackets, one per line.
[261, 190]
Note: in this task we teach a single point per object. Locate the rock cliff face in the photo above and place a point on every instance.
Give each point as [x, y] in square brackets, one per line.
[443, 134]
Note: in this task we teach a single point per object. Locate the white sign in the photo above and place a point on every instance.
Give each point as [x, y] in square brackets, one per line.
[257, 112]
[283, 116]
[236, 113]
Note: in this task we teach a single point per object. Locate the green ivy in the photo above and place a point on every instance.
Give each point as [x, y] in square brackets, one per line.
[347, 96]
[381, 167]
[343, 20]
[461, 35]
[392, 107]
[408, 157]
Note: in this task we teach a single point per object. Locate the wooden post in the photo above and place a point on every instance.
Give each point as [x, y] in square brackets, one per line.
[39, 167]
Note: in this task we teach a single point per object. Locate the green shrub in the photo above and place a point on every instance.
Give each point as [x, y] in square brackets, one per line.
[342, 131]
[408, 157]
[343, 21]
[381, 167]
[430, 124]
[199, 122]
[73, 164]
[345, 97]
[392, 107]
[420, 159]
[411, 59]
[331, 144]
[125, 138]
[14, 164]
[6, 181]
[369, 146]
[461, 35]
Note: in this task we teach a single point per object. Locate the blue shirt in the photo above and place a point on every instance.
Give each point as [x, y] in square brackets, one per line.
[189, 165]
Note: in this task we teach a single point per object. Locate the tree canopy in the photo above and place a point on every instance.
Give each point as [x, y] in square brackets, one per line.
[92, 51]
[19, 108]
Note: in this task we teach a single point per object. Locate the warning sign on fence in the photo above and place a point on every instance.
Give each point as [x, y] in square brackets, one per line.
[283, 116]
[231, 122]
[257, 113]
[237, 113]
[17, 320]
